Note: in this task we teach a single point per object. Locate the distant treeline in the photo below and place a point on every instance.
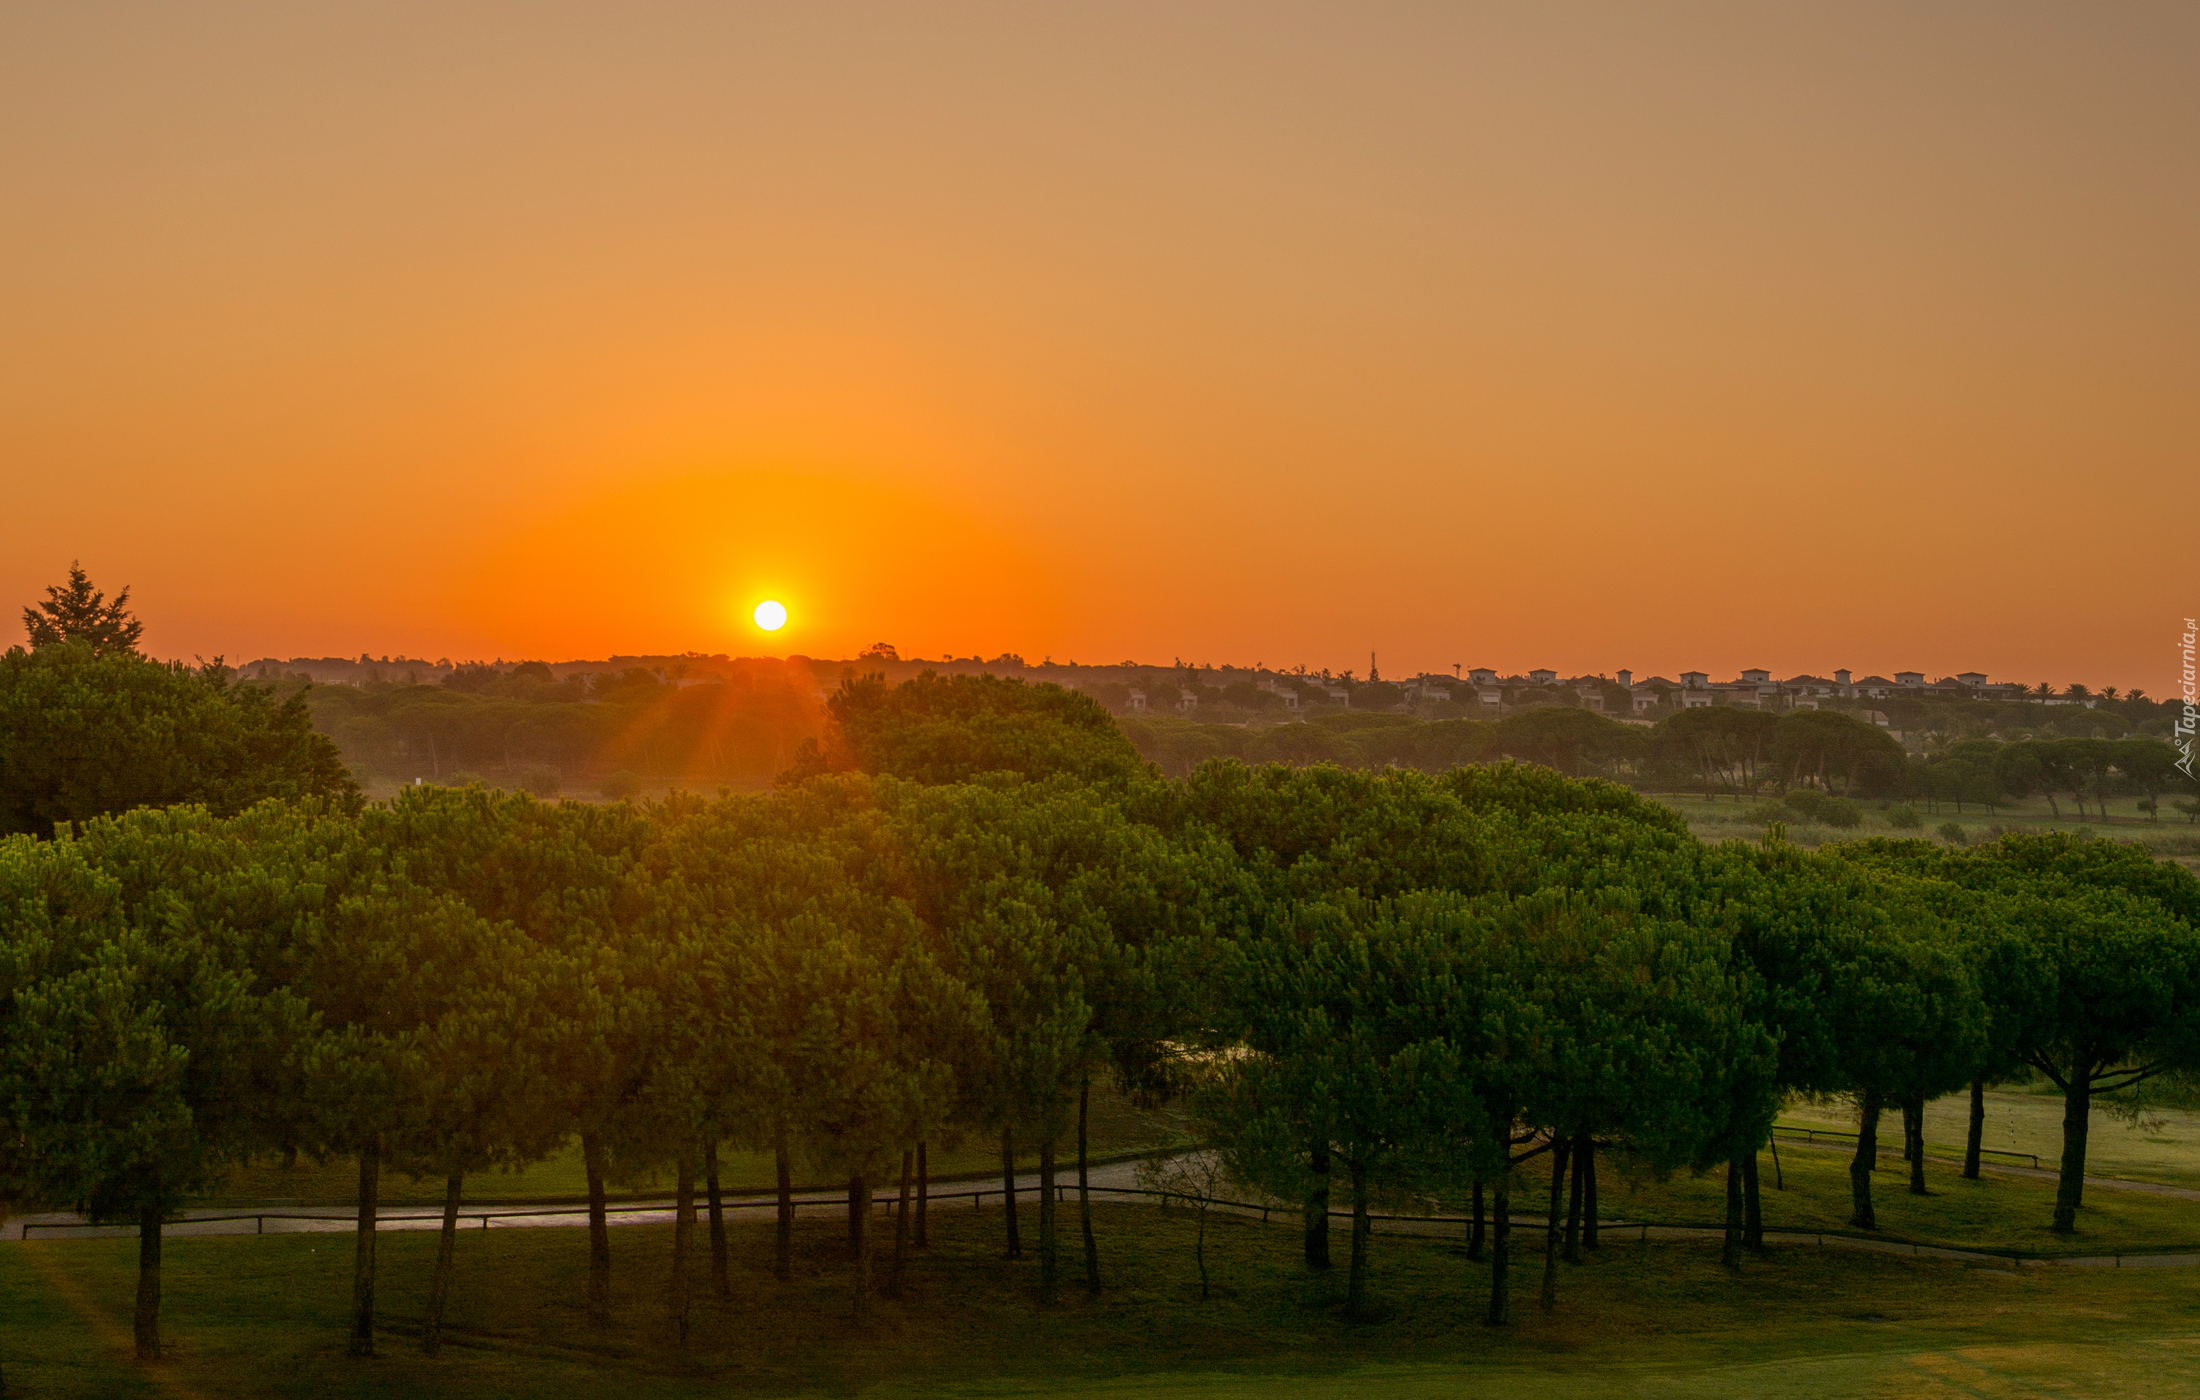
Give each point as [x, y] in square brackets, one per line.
[1719, 750]
[547, 731]
[749, 722]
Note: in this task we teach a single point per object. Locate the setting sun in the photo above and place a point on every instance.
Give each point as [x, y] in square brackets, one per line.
[771, 616]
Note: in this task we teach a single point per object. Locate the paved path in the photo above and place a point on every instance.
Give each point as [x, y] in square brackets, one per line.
[266, 1219]
[1108, 1178]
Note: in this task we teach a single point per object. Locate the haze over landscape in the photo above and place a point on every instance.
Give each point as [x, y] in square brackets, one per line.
[1580, 336]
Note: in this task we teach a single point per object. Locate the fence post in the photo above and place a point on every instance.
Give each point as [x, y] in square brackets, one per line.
[259, 1224]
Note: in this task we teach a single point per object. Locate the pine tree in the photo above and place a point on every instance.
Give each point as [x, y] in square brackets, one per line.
[81, 613]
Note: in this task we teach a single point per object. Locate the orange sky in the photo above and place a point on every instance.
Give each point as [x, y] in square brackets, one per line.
[1660, 336]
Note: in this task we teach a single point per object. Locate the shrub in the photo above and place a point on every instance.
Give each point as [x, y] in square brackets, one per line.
[621, 785]
[1953, 833]
[462, 778]
[1904, 818]
[541, 781]
[1824, 808]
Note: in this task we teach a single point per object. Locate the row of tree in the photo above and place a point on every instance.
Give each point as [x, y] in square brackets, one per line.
[1574, 976]
[1411, 984]
[1731, 751]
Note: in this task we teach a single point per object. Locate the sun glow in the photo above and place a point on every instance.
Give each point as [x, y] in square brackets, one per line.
[771, 616]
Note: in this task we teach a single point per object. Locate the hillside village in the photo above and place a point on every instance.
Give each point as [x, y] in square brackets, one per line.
[1130, 687]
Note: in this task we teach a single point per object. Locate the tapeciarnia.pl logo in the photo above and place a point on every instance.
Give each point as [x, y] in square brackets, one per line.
[2190, 719]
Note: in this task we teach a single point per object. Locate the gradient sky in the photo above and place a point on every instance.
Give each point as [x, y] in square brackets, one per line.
[1661, 336]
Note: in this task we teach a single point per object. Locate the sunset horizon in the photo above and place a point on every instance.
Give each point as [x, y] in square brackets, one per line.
[1194, 699]
[1584, 337]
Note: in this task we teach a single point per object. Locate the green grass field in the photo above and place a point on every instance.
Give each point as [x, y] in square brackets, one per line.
[1726, 818]
[1995, 1212]
[253, 1317]
[2164, 1146]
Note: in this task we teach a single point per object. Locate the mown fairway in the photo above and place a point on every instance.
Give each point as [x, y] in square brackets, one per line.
[1996, 1212]
[2163, 1147]
[254, 1317]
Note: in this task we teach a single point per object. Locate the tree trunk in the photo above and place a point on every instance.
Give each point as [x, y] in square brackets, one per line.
[1317, 1208]
[1355, 1297]
[362, 1255]
[859, 1219]
[2077, 1114]
[1977, 1134]
[1730, 1251]
[1561, 1150]
[1865, 1160]
[1008, 1193]
[721, 1280]
[924, 1191]
[148, 1281]
[1913, 1142]
[901, 1225]
[1753, 1207]
[1199, 1250]
[439, 1291]
[1475, 1235]
[1500, 1248]
[683, 1243]
[1049, 1252]
[1573, 1206]
[1585, 1165]
[1084, 1188]
[783, 1244]
[599, 1234]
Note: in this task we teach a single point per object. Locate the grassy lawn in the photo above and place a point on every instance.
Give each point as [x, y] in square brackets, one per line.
[1725, 818]
[1118, 1126]
[265, 1317]
[2165, 1147]
[1994, 1212]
